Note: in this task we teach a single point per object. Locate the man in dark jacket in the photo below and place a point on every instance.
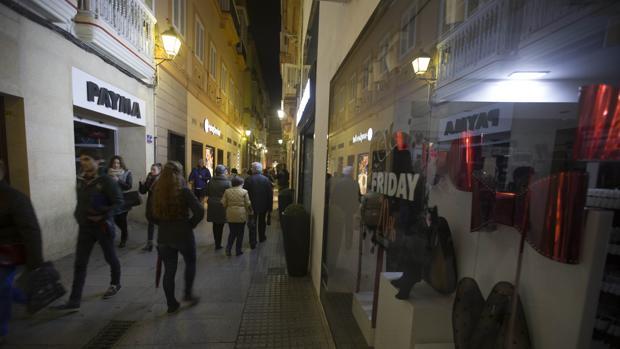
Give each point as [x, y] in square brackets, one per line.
[18, 227]
[260, 190]
[98, 197]
[199, 177]
[283, 177]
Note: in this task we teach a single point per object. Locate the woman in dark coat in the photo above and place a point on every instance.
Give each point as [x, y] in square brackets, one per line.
[216, 213]
[145, 188]
[119, 173]
[169, 207]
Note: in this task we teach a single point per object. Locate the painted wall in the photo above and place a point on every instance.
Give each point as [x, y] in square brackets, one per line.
[347, 19]
[36, 66]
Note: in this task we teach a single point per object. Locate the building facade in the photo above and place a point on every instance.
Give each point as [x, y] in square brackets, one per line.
[211, 93]
[73, 80]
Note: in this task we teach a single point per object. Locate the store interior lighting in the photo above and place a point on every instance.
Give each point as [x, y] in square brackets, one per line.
[527, 75]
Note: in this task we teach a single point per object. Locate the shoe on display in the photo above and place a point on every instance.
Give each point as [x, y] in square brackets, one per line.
[111, 291]
[468, 305]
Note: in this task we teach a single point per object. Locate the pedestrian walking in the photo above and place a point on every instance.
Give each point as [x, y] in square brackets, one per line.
[234, 172]
[199, 177]
[20, 236]
[282, 177]
[216, 213]
[169, 207]
[122, 176]
[146, 187]
[98, 198]
[236, 200]
[260, 191]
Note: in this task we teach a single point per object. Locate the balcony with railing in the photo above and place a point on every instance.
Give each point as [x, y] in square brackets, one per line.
[121, 30]
[290, 80]
[502, 30]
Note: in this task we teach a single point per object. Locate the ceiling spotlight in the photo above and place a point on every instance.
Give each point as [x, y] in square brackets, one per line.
[527, 75]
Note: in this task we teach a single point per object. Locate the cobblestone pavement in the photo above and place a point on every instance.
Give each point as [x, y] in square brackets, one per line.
[246, 302]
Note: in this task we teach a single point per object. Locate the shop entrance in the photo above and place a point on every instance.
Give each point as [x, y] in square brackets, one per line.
[196, 152]
[96, 136]
[176, 148]
[3, 146]
[220, 157]
[228, 161]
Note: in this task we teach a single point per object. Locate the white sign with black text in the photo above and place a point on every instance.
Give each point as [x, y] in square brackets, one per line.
[493, 118]
[99, 96]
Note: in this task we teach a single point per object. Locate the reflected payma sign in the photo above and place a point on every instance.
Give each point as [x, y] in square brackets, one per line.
[493, 118]
[364, 136]
[209, 128]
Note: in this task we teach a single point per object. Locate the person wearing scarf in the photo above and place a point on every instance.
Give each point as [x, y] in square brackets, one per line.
[119, 173]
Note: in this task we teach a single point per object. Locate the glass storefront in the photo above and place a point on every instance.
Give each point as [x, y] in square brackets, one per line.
[93, 135]
[471, 201]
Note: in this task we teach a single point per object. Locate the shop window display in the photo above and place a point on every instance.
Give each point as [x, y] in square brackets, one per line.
[480, 208]
[89, 136]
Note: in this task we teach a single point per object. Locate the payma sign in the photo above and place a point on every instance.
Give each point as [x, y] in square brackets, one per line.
[99, 96]
[365, 136]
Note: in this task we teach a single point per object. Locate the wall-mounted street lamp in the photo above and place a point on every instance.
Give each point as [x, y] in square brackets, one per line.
[248, 133]
[280, 141]
[421, 64]
[281, 114]
[172, 45]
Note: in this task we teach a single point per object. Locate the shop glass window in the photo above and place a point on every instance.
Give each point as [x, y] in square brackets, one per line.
[100, 139]
[199, 43]
[212, 61]
[178, 16]
[407, 30]
[479, 185]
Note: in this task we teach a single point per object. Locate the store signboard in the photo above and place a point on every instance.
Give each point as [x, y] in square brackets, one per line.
[363, 136]
[210, 128]
[99, 96]
[493, 118]
[305, 97]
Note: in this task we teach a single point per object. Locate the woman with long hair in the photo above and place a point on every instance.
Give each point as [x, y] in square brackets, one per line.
[122, 176]
[146, 188]
[169, 207]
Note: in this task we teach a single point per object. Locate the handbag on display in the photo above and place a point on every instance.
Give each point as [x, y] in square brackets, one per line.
[132, 199]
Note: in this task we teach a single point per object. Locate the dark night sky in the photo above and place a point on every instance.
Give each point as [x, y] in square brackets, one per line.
[265, 28]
